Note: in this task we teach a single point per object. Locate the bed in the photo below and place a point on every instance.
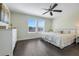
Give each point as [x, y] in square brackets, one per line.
[60, 40]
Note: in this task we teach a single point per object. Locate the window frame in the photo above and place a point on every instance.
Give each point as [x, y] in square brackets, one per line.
[36, 29]
[38, 25]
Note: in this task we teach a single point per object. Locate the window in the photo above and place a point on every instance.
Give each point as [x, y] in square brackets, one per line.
[36, 25]
[41, 25]
[31, 25]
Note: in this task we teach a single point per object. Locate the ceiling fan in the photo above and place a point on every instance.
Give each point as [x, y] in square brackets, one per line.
[51, 9]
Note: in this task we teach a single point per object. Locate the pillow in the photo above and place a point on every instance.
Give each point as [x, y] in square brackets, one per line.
[61, 32]
[67, 32]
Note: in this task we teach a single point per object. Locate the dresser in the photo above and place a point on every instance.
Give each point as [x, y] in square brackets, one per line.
[77, 34]
[8, 38]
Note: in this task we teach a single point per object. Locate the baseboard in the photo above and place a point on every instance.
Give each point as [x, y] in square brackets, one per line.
[28, 39]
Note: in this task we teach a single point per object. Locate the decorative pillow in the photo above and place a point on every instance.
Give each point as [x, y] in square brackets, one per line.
[61, 32]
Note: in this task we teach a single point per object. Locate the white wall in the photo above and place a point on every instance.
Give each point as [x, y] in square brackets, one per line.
[19, 21]
[68, 18]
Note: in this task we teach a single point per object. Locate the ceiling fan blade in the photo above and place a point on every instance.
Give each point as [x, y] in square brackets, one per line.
[51, 13]
[45, 9]
[57, 10]
[50, 5]
[54, 6]
[45, 12]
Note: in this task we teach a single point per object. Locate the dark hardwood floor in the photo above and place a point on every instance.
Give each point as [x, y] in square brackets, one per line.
[38, 47]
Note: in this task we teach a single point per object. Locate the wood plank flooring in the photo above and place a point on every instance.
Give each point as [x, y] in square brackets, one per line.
[38, 47]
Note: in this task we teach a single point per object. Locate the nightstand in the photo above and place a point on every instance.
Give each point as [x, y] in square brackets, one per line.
[77, 39]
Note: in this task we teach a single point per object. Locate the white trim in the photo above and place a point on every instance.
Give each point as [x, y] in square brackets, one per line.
[28, 27]
[31, 32]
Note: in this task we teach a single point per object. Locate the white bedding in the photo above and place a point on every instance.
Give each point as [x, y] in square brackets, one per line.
[58, 39]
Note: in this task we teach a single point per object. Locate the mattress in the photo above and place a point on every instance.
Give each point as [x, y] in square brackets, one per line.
[58, 39]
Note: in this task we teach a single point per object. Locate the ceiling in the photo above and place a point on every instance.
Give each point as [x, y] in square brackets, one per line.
[36, 8]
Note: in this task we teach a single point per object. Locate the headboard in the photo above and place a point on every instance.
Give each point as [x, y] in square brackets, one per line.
[66, 30]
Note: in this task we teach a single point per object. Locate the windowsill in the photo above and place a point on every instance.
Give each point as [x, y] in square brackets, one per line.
[34, 32]
[31, 32]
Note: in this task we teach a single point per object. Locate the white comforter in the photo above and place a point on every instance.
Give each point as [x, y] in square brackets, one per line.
[59, 40]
